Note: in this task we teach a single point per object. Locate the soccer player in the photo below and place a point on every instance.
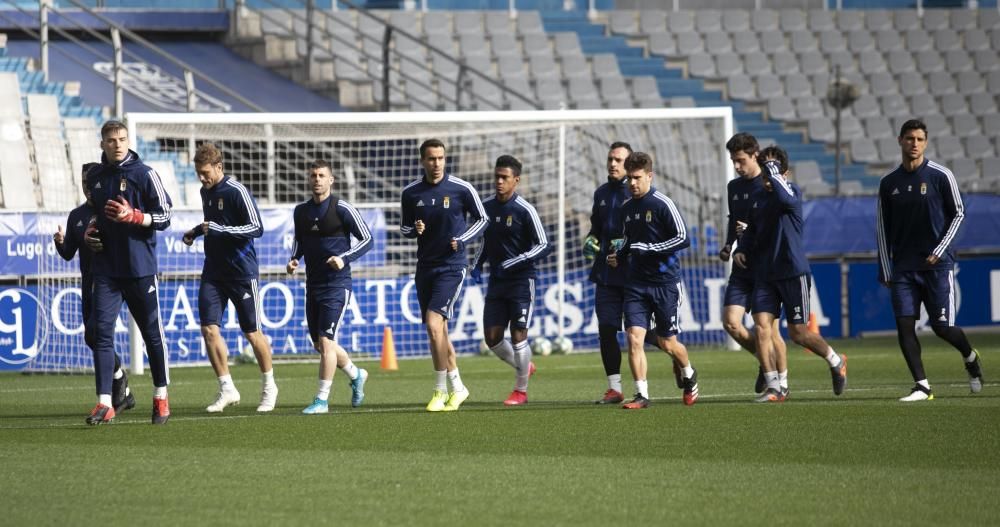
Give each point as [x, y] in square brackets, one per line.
[323, 228]
[773, 241]
[919, 213]
[444, 214]
[67, 245]
[135, 207]
[604, 238]
[743, 149]
[230, 273]
[514, 240]
[653, 232]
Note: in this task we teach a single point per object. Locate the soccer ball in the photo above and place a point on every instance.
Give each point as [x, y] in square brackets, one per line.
[541, 346]
[484, 349]
[246, 356]
[562, 345]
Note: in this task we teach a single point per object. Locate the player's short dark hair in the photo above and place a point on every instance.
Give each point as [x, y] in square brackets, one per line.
[743, 142]
[638, 161]
[320, 163]
[913, 124]
[430, 143]
[112, 126]
[87, 167]
[620, 144]
[511, 162]
[778, 154]
[207, 154]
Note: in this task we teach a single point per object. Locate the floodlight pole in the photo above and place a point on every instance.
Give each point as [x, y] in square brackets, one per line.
[836, 162]
[43, 26]
[116, 43]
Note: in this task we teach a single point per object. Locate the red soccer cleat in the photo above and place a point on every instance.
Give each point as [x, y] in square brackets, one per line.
[638, 403]
[101, 415]
[611, 397]
[516, 398]
[161, 411]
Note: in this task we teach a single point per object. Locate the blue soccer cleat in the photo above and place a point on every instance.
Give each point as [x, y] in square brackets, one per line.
[358, 388]
[318, 406]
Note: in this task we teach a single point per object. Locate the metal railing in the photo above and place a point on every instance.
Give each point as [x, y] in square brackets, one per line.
[390, 36]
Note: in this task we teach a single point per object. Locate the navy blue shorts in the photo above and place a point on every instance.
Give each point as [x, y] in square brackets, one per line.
[659, 302]
[325, 311]
[509, 302]
[608, 301]
[438, 289]
[739, 292]
[213, 295]
[793, 293]
[935, 288]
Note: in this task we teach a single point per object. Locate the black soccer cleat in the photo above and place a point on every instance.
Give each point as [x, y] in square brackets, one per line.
[101, 415]
[127, 403]
[975, 371]
[121, 398]
[761, 383]
[839, 376]
[691, 389]
[638, 403]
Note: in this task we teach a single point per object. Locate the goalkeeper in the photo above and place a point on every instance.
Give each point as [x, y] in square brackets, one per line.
[512, 243]
[603, 239]
[124, 266]
[67, 244]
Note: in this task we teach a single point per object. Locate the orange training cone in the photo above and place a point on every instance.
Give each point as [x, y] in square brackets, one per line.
[388, 351]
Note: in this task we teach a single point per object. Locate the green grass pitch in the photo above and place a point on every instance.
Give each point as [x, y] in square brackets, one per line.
[859, 459]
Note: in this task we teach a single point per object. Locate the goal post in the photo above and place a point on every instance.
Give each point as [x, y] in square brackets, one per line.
[373, 156]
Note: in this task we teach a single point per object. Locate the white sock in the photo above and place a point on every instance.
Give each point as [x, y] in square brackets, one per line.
[128, 390]
[119, 373]
[642, 387]
[832, 358]
[522, 357]
[442, 381]
[924, 383]
[783, 379]
[105, 399]
[226, 382]
[351, 370]
[267, 377]
[970, 359]
[615, 382]
[505, 352]
[324, 389]
[160, 392]
[772, 380]
[687, 371]
[456, 381]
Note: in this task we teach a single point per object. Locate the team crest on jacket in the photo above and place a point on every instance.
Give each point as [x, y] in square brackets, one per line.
[446, 202]
[923, 188]
[649, 216]
[220, 203]
[121, 187]
[510, 220]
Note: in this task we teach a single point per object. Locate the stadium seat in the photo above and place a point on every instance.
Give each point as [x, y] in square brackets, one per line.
[772, 42]
[953, 103]
[797, 85]
[946, 40]
[831, 41]
[905, 20]
[871, 62]
[802, 41]
[708, 21]
[785, 63]
[780, 107]
[863, 151]
[741, 87]
[940, 83]
[867, 106]
[623, 23]
[653, 21]
[878, 19]
[821, 129]
[935, 19]
[978, 147]
[680, 21]
[929, 61]
[821, 20]
[876, 127]
[888, 149]
[989, 19]
[982, 104]
[958, 60]
[529, 23]
[888, 40]
[808, 107]
[498, 23]
[663, 44]
[729, 64]
[746, 43]
[811, 62]
[970, 82]
[576, 67]
[468, 23]
[689, 42]
[736, 20]
[764, 20]
[900, 61]
[793, 20]
[963, 19]
[894, 105]
[718, 43]
[701, 65]
[860, 40]
[756, 64]
[505, 45]
[965, 125]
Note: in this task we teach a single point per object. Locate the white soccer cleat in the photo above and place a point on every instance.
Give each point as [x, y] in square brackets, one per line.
[918, 393]
[224, 399]
[268, 397]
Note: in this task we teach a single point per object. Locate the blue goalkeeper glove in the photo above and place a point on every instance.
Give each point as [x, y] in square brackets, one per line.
[591, 246]
[477, 275]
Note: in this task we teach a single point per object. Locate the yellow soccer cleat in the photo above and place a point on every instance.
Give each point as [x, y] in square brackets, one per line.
[455, 400]
[438, 401]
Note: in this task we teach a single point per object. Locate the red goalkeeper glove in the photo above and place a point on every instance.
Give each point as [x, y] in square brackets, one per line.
[120, 211]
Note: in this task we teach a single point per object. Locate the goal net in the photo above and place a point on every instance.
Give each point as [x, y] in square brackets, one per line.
[373, 157]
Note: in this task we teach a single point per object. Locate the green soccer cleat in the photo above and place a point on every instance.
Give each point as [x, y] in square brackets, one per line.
[455, 400]
[438, 401]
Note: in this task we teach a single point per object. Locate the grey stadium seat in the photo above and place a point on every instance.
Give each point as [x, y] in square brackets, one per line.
[924, 104]
[989, 18]
[623, 23]
[978, 147]
[975, 40]
[844, 59]
[746, 43]
[821, 130]
[729, 64]
[948, 147]
[965, 125]
[888, 149]
[567, 44]
[867, 106]
[871, 62]
[575, 68]
[882, 83]
[963, 19]
[757, 64]
[614, 92]
[469, 23]
[797, 85]
[793, 20]
[863, 150]
[905, 19]
[803, 40]
[831, 41]
[901, 62]
[772, 42]
[680, 21]
[991, 125]
[964, 170]
[769, 86]
[877, 127]
[918, 40]
[953, 103]
[970, 82]
[894, 106]
[935, 19]
[821, 20]
[850, 20]
[653, 21]
[718, 43]
[812, 62]
[808, 107]
[735, 20]
[663, 44]
[982, 104]
[780, 107]
[958, 60]
[605, 65]
[888, 40]
[929, 61]
[436, 23]
[764, 20]
[689, 42]
[940, 83]
[860, 40]
[946, 39]
[498, 23]
[740, 87]
[878, 19]
[708, 21]
[986, 60]
[505, 45]
[528, 23]
[784, 63]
